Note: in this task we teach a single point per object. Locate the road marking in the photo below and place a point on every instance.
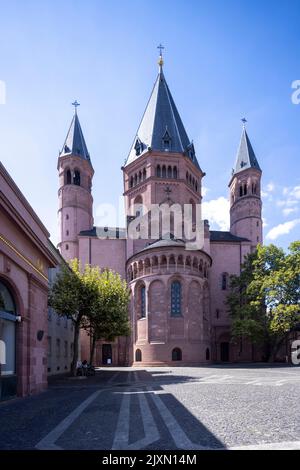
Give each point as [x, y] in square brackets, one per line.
[180, 438]
[121, 438]
[122, 432]
[48, 442]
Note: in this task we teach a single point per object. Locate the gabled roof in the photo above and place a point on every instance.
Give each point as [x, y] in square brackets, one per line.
[245, 157]
[104, 232]
[218, 236]
[75, 143]
[161, 122]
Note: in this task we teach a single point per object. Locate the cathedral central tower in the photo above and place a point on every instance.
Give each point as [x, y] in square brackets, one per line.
[161, 167]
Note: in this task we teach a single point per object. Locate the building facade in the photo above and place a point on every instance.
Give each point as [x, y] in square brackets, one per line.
[25, 258]
[60, 332]
[177, 311]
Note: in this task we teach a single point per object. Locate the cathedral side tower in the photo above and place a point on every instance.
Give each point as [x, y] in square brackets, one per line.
[75, 184]
[245, 194]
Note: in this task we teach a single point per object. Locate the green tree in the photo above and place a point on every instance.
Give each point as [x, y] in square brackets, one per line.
[109, 318]
[75, 294]
[264, 300]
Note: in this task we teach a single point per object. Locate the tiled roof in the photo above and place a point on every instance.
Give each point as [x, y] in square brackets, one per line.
[245, 157]
[161, 121]
[75, 143]
[104, 232]
[218, 236]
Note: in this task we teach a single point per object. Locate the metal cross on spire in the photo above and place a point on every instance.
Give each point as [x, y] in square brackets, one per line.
[160, 47]
[244, 120]
[75, 104]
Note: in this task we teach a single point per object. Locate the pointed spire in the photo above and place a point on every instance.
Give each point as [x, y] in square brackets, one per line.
[75, 143]
[161, 128]
[245, 156]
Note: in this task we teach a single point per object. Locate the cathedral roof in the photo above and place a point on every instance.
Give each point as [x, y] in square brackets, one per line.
[165, 242]
[75, 143]
[245, 157]
[104, 232]
[218, 236]
[161, 128]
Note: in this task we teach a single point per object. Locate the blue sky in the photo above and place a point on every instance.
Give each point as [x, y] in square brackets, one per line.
[223, 60]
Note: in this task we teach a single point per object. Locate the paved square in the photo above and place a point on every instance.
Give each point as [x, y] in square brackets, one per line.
[161, 409]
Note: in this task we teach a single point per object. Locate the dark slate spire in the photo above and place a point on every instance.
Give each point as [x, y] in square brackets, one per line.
[245, 157]
[75, 143]
[161, 128]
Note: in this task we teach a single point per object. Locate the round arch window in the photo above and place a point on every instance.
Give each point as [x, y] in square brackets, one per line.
[176, 354]
[8, 317]
[138, 355]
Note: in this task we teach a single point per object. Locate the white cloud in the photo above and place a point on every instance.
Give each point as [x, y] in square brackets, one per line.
[270, 187]
[264, 221]
[282, 229]
[217, 212]
[295, 192]
[204, 190]
[289, 210]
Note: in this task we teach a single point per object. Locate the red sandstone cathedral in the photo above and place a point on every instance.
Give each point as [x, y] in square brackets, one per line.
[177, 310]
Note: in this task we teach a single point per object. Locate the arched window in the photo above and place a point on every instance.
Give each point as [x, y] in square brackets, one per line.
[164, 171]
[138, 355]
[166, 141]
[140, 176]
[76, 178]
[135, 179]
[241, 191]
[7, 303]
[169, 172]
[144, 174]
[175, 172]
[196, 186]
[138, 147]
[187, 176]
[158, 171]
[245, 189]
[143, 301]
[175, 299]
[176, 354]
[68, 179]
[207, 354]
[131, 182]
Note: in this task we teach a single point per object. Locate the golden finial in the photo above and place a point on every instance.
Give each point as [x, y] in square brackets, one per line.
[160, 60]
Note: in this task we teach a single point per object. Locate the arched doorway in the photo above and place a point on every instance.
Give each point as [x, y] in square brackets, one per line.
[8, 318]
[106, 354]
[176, 354]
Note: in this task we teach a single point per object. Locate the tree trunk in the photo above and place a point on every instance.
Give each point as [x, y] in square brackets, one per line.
[93, 349]
[76, 348]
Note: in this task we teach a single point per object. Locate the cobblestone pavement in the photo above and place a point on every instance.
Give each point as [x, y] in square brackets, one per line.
[214, 407]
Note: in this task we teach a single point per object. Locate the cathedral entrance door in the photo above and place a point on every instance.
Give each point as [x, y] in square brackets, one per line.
[106, 354]
[224, 352]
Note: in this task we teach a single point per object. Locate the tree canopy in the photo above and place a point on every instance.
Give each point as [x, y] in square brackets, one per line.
[264, 300]
[93, 299]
